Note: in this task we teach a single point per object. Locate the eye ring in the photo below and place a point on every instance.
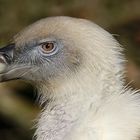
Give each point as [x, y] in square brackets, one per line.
[48, 47]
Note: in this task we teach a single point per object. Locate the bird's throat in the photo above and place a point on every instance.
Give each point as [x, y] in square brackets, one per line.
[58, 120]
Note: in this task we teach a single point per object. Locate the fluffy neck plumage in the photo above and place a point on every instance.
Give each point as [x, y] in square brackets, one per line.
[70, 102]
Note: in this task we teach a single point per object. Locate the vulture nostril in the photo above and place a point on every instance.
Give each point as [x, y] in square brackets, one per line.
[8, 59]
[5, 58]
[6, 54]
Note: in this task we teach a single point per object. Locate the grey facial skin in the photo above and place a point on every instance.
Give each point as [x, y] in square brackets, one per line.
[29, 62]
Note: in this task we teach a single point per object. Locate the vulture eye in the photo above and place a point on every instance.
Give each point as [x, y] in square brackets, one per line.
[48, 48]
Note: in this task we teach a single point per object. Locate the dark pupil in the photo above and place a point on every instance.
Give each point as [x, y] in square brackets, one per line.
[48, 46]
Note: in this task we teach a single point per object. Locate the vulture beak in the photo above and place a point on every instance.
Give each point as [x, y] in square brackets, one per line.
[6, 54]
[8, 70]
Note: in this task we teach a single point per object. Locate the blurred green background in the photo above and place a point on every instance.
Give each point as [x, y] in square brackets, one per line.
[18, 102]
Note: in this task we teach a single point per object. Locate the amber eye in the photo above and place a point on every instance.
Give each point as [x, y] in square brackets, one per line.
[48, 47]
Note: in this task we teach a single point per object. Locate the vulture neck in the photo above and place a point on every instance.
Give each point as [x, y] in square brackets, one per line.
[70, 102]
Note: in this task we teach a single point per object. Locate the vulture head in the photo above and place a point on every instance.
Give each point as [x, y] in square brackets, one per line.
[77, 68]
[62, 50]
